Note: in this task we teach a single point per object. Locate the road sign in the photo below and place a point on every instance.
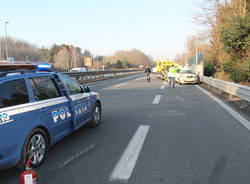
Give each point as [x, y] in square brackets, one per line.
[11, 60]
[88, 61]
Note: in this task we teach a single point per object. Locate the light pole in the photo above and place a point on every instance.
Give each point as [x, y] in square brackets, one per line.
[97, 62]
[6, 45]
[0, 50]
[196, 54]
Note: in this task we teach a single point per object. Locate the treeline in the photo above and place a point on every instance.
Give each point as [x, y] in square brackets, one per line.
[120, 65]
[127, 59]
[65, 57]
[226, 41]
[19, 49]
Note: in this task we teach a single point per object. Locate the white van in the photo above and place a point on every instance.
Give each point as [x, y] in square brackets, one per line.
[80, 69]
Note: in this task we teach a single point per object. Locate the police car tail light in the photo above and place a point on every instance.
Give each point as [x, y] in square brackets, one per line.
[43, 66]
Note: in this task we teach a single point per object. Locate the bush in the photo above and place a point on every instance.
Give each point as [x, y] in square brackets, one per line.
[238, 76]
[236, 42]
[236, 37]
[236, 72]
[209, 68]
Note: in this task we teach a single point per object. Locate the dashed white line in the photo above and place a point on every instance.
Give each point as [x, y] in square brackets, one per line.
[235, 114]
[118, 85]
[162, 87]
[76, 156]
[156, 99]
[180, 98]
[112, 80]
[126, 164]
[140, 78]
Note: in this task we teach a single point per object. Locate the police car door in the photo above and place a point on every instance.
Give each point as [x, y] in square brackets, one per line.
[54, 105]
[80, 101]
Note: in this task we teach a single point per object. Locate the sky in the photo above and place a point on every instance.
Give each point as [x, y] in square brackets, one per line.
[159, 28]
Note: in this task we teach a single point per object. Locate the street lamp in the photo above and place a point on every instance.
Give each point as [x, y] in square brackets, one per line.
[97, 64]
[0, 51]
[6, 45]
[196, 53]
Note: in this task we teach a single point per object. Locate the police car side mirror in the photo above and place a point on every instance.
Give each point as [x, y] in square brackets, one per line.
[86, 89]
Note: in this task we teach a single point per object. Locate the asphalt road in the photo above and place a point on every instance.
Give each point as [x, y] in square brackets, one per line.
[151, 134]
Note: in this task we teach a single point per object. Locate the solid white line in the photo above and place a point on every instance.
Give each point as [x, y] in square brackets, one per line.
[126, 164]
[118, 85]
[156, 99]
[235, 114]
[76, 156]
[111, 80]
[162, 87]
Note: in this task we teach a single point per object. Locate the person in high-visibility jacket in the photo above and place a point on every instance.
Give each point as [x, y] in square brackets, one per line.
[171, 74]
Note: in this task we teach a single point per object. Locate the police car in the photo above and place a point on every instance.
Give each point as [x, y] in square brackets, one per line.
[37, 109]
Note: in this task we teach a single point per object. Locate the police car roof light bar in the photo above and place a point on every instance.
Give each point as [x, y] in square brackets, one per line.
[22, 69]
[43, 66]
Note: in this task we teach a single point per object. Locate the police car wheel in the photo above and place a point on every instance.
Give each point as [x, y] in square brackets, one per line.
[36, 146]
[96, 116]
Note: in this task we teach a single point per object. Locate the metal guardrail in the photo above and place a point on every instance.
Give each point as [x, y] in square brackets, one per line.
[237, 90]
[91, 76]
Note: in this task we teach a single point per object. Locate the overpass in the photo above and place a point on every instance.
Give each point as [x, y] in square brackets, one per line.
[152, 134]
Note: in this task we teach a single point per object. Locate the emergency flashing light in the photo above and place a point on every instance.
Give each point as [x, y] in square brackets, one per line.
[43, 66]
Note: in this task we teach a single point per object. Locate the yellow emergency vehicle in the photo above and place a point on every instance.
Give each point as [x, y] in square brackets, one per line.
[162, 67]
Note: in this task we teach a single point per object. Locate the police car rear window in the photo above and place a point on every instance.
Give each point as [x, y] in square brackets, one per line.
[13, 93]
[44, 88]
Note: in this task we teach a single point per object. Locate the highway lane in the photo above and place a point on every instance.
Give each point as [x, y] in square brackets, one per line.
[76, 143]
[189, 139]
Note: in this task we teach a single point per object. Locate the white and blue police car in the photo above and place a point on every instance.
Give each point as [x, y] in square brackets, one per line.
[38, 108]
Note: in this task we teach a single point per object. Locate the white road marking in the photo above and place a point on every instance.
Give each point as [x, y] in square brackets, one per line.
[162, 87]
[112, 80]
[126, 164]
[235, 114]
[156, 99]
[140, 78]
[118, 85]
[180, 98]
[76, 156]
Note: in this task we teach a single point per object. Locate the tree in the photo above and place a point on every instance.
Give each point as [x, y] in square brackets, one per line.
[20, 50]
[133, 57]
[209, 68]
[226, 38]
[109, 66]
[119, 64]
[236, 40]
[66, 57]
[45, 54]
[236, 37]
[87, 53]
